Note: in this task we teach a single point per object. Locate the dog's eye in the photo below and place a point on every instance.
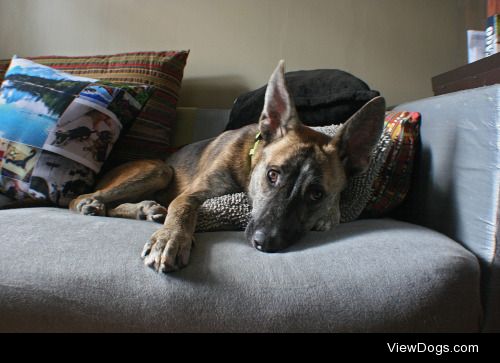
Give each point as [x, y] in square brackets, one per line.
[272, 176]
[316, 194]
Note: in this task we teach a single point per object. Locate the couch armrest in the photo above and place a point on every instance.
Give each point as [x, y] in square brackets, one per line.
[455, 188]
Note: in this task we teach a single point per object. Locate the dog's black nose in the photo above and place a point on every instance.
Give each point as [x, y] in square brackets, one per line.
[265, 241]
[259, 240]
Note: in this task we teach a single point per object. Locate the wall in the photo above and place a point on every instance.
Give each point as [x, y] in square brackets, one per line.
[396, 46]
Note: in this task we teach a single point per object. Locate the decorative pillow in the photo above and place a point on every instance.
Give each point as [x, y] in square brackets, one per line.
[393, 181]
[149, 136]
[372, 194]
[57, 129]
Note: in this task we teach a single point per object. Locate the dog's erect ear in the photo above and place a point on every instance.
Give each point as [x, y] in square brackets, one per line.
[279, 114]
[359, 135]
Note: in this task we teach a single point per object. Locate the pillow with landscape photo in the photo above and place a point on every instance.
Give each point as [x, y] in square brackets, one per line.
[57, 129]
[149, 136]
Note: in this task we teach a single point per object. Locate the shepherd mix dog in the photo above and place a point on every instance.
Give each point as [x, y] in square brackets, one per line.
[293, 176]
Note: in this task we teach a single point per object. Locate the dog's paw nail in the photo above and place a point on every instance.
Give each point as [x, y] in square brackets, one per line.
[146, 250]
[167, 268]
[150, 262]
[159, 218]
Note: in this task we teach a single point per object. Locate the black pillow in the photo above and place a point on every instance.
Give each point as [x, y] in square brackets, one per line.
[322, 97]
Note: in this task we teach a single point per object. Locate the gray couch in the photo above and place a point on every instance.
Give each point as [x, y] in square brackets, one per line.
[431, 267]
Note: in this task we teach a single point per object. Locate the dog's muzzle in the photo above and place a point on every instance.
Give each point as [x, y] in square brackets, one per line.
[262, 242]
[267, 240]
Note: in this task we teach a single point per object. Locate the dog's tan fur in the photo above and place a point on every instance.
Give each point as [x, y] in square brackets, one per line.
[211, 168]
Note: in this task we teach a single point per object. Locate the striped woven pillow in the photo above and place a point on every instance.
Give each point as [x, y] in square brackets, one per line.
[149, 136]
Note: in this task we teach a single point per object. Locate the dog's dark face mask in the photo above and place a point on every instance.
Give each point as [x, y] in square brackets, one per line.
[295, 188]
[298, 174]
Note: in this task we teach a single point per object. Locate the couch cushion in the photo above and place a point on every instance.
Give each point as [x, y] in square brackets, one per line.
[64, 272]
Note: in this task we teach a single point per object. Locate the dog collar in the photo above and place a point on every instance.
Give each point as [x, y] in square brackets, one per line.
[257, 139]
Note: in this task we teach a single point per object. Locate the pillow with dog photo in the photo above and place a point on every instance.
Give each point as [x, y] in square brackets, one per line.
[56, 129]
[149, 136]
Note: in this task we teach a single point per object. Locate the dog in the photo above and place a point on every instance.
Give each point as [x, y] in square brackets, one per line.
[21, 163]
[293, 176]
[80, 133]
[99, 146]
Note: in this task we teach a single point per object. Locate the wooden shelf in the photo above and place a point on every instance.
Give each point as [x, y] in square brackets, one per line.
[484, 72]
[493, 7]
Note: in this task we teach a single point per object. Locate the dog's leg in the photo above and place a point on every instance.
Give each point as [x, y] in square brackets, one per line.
[145, 210]
[130, 182]
[170, 246]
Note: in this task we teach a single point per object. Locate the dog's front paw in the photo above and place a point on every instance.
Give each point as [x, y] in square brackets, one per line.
[152, 211]
[91, 207]
[167, 250]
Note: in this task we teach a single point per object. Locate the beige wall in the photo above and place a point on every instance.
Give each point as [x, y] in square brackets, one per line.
[396, 46]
